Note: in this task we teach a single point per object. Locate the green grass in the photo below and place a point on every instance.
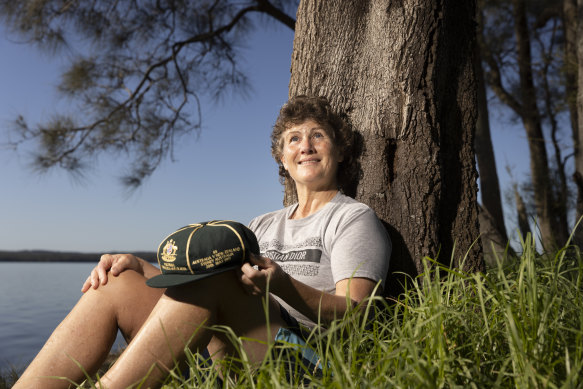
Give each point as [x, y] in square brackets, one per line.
[519, 325]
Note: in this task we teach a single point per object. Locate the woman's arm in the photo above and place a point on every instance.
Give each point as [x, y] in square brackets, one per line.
[318, 306]
[115, 264]
[325, 307]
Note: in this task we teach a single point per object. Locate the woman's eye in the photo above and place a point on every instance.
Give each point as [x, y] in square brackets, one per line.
[318, 135]
[294, 138]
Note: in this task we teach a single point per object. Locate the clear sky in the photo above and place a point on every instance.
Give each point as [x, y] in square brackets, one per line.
[227, 173]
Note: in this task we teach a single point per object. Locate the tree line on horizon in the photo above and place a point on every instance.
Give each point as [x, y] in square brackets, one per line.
[61, 256]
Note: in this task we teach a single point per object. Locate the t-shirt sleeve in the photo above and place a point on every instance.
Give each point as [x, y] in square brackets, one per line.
[260, 224]
[361, 248]
[253, 224]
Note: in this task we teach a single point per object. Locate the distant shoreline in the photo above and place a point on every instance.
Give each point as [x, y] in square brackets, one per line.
[62, 256]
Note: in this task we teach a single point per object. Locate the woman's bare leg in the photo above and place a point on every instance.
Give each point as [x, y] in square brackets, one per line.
[86, 335]
[180, 317]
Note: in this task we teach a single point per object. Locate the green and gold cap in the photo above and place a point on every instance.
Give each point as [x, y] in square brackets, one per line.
[201, 250]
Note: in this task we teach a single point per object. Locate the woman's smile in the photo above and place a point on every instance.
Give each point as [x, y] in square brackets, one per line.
[310, 161]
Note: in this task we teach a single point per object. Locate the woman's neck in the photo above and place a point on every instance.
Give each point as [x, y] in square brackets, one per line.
[311, 202]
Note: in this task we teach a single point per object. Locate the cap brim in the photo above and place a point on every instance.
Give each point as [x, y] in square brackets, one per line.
[170, 280]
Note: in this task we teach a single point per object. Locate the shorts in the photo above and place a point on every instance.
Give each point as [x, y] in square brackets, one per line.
[295, 336]
[291, 346]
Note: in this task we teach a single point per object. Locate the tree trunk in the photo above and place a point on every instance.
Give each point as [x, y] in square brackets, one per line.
[521, 213]
[570, 25]
[489, 184]
[539, 165]
[578, 132]
[560, 185]
[492, 243]
[402, 71]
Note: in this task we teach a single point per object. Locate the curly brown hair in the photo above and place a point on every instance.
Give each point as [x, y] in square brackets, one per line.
[302, 108]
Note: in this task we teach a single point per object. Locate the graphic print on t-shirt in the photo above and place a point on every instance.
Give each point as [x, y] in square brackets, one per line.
[301, 259]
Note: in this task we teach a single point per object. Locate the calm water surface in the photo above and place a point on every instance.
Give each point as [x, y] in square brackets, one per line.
[34, 298]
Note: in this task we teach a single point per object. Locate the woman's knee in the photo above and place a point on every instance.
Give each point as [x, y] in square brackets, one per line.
[129, 298]
[124, 285]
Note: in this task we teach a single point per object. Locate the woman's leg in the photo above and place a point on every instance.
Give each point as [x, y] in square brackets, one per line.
[181, 316]
[178, 317]
[86, 335]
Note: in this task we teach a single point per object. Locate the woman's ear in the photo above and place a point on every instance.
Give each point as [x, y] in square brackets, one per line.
[283, 163]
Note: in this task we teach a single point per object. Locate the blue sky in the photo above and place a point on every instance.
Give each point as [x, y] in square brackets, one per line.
[227, 173]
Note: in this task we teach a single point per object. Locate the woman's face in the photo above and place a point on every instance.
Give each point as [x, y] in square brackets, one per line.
[310, 157]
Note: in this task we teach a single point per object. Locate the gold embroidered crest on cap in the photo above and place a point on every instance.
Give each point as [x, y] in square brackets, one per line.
[169, 251]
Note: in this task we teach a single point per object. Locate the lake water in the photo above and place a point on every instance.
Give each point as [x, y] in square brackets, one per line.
[34, 298]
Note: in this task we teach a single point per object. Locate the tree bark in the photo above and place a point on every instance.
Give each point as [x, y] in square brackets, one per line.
[402, 71]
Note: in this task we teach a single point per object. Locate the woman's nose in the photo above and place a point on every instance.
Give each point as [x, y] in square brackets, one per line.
[306, 145]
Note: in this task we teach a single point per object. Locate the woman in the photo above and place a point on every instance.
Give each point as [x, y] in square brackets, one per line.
[314, 254]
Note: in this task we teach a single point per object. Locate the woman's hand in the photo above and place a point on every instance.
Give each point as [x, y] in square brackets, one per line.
[115, 264]
[267, 277]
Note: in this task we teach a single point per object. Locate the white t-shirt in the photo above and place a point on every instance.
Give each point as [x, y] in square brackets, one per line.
[344, 239]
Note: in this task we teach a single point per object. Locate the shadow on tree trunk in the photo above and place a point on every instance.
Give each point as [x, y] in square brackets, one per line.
[402, 268]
